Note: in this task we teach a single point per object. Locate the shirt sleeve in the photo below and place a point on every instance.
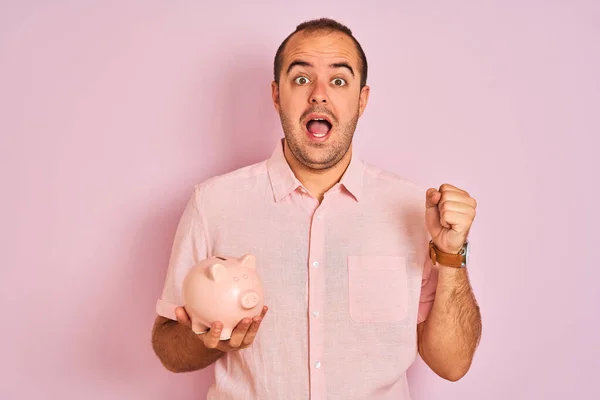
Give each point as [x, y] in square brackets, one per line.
[189, 247]
[428, 289]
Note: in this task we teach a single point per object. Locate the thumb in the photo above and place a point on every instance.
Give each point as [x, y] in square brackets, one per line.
[432, 197]
[432, 213]
[182, 316]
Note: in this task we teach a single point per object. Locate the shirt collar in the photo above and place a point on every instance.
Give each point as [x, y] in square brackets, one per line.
[284, 182]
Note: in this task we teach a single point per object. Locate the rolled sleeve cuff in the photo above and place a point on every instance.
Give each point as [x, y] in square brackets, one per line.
[166, 309]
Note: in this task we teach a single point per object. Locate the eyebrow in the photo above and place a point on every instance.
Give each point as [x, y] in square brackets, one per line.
[301, 63]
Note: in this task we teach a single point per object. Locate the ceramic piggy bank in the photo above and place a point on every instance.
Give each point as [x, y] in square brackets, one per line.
[225, 289]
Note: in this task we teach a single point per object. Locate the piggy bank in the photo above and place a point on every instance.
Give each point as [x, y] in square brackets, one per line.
[225, 289]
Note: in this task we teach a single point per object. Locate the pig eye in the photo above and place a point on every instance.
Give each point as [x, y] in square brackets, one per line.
[245, 276]
[236, 278]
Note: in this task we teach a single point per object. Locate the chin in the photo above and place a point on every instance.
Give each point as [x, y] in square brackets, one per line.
[318, 160]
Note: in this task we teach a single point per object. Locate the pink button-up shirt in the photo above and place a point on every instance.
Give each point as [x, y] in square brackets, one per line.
[346, 281]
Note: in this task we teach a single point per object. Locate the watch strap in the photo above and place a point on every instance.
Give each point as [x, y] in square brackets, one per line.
[447, 259]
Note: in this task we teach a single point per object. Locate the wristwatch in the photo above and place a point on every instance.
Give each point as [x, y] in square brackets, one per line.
[459, 260]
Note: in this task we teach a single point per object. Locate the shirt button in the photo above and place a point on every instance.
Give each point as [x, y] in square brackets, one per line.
[316, 264]
[316, 313]
[318, 364]
[318, 217]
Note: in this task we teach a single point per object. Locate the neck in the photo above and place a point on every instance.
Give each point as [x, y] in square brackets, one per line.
[317, 182]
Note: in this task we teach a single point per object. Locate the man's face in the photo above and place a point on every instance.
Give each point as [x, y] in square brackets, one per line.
[318, 98]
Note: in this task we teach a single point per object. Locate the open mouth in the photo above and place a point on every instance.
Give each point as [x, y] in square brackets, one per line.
[318, 127]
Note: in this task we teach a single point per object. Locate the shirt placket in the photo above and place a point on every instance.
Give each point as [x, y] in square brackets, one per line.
[316, 301]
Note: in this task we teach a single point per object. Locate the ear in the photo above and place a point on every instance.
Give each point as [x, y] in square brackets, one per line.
[248, 260]
[363, 99]
[216, 272]
[275, 95]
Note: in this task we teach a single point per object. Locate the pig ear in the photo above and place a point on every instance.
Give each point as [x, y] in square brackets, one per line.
[216, 272]
[248, 260]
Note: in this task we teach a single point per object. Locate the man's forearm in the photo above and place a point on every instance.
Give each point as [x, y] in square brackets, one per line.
[179, 349]
[450, 334]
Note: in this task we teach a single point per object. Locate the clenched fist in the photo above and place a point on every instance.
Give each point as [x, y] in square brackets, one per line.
[449, 214]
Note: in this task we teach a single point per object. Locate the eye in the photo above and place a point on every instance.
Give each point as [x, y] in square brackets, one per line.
[338, 82]
[301, 80]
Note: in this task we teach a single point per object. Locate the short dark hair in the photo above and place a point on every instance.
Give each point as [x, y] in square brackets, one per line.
[321, 24]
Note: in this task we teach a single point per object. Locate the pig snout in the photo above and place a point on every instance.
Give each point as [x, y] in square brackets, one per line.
[249, 299]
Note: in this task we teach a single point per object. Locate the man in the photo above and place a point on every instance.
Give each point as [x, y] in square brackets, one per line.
[361, 269]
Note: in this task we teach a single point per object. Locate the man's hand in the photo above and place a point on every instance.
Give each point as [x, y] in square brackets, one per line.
[242, 336]
[447, 339]
[449, 214]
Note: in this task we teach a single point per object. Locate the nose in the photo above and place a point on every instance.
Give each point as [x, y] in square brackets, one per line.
[249, 300]
[319, 94]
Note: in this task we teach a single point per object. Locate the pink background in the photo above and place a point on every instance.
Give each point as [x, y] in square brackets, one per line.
[110, 112]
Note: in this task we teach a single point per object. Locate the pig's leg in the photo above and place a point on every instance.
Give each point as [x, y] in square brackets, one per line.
[226, 333]
[199, 328]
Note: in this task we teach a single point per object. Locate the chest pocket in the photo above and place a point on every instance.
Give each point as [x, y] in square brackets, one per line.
[377, 288]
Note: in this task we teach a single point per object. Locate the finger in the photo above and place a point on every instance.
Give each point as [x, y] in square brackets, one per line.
[457, 197]
[182, 316]
[213, 337]
[446, 187]
[459, 222]
[237, 336]
[458, 207]
[432, 197]
[264, 311]
[252, 331]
